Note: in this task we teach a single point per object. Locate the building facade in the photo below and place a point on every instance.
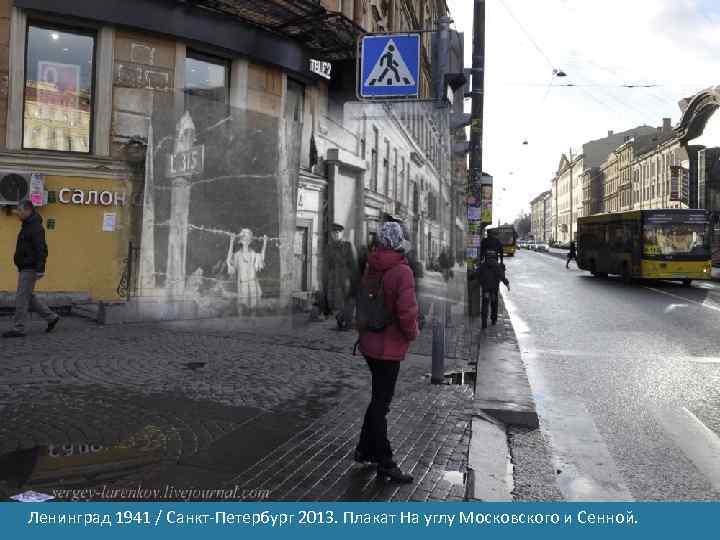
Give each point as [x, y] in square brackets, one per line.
[91, 90]
[541, 217]
[567, 195]
[579, 185]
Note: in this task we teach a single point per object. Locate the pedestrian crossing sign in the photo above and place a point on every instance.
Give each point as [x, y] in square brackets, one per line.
[390, 66]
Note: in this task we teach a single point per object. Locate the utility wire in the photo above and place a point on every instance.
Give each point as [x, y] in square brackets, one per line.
[527, 34]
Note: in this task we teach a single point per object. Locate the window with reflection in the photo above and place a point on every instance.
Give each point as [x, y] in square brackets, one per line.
[295, 101]
[206, 77]
[59, 67]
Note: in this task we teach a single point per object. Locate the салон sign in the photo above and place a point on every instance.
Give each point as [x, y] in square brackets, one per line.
[101, 198]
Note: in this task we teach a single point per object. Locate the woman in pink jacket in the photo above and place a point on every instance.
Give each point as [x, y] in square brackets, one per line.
[384, 350]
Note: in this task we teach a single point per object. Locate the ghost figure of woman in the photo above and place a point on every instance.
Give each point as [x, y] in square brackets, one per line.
[245, 265]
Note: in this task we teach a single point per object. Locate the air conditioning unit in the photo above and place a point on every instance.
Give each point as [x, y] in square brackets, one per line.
[14, 187]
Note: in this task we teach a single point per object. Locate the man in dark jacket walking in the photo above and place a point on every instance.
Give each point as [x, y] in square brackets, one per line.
[30, 256]
[490, 274]
[572, 254]
[491, 247]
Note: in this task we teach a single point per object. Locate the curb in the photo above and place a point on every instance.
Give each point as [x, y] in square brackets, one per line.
[502, 388]
[490, 470]
[503, 399]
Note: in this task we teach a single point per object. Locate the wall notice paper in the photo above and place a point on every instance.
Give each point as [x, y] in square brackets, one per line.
[37, 189]
[109, 222]
[474, 212]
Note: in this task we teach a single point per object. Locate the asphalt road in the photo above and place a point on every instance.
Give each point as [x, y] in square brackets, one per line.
[626, 379]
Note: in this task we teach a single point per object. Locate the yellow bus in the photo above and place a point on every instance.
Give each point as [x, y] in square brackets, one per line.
[647, 244]
[507, 235]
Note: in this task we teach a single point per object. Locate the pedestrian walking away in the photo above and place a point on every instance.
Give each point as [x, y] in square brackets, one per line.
[30, 256]
[387, 322]
[572, 255]
[491, 247]
[490, 274]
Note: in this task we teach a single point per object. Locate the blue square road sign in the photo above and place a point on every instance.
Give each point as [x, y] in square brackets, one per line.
[390, 66]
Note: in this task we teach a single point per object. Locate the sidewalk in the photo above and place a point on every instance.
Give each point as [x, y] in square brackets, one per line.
[202, 405]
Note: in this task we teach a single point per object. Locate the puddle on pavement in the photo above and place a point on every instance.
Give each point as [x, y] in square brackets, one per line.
[194, 365]
[80, 463]
[456, 478]
[461, 377]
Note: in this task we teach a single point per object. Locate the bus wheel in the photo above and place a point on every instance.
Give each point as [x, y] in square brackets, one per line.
[687, 282]
[626, 275]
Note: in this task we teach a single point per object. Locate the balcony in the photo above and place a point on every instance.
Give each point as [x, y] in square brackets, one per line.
[328, 34]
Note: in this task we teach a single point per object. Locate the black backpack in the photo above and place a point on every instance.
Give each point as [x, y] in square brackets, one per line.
[372, 313]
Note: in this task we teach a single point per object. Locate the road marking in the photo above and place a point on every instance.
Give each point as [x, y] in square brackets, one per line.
[673, 307]
[699, 443]
[707, 360]
[678, 297]
[587, 470]
[615, 355]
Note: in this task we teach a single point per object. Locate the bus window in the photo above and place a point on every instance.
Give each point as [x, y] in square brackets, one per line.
[673, 239]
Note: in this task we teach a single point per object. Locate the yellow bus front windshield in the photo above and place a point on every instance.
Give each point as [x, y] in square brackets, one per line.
[506, 236]
[676, 239]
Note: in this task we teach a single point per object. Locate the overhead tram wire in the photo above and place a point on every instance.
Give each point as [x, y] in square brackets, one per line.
[605, 91]
[544, 54]
[530, 38]
[527, 34]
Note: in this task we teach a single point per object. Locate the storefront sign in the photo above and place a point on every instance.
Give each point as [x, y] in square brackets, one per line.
[89, 198]
[324, 69]
[187, 163]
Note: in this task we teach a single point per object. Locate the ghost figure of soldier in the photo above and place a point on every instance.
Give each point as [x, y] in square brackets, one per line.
[245, 263]
[342, 278]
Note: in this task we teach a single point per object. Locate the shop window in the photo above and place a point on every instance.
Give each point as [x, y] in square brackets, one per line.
[58, 101]
[295, 100]
[206, 77]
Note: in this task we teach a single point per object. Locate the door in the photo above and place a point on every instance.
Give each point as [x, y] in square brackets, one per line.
[300, 270]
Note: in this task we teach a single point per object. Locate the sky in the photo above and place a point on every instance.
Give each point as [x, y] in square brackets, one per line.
[601, 45]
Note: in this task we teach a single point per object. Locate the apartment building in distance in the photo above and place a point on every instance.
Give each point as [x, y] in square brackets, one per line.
[541, 216]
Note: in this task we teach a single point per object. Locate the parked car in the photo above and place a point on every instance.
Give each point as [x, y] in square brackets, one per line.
[542, 247]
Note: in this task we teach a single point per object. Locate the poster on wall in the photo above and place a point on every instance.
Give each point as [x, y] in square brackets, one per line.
[109, 222]
[37, 189]
[486, 207]
[220, 237]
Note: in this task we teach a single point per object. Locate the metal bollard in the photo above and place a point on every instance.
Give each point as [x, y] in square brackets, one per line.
[438, 353]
